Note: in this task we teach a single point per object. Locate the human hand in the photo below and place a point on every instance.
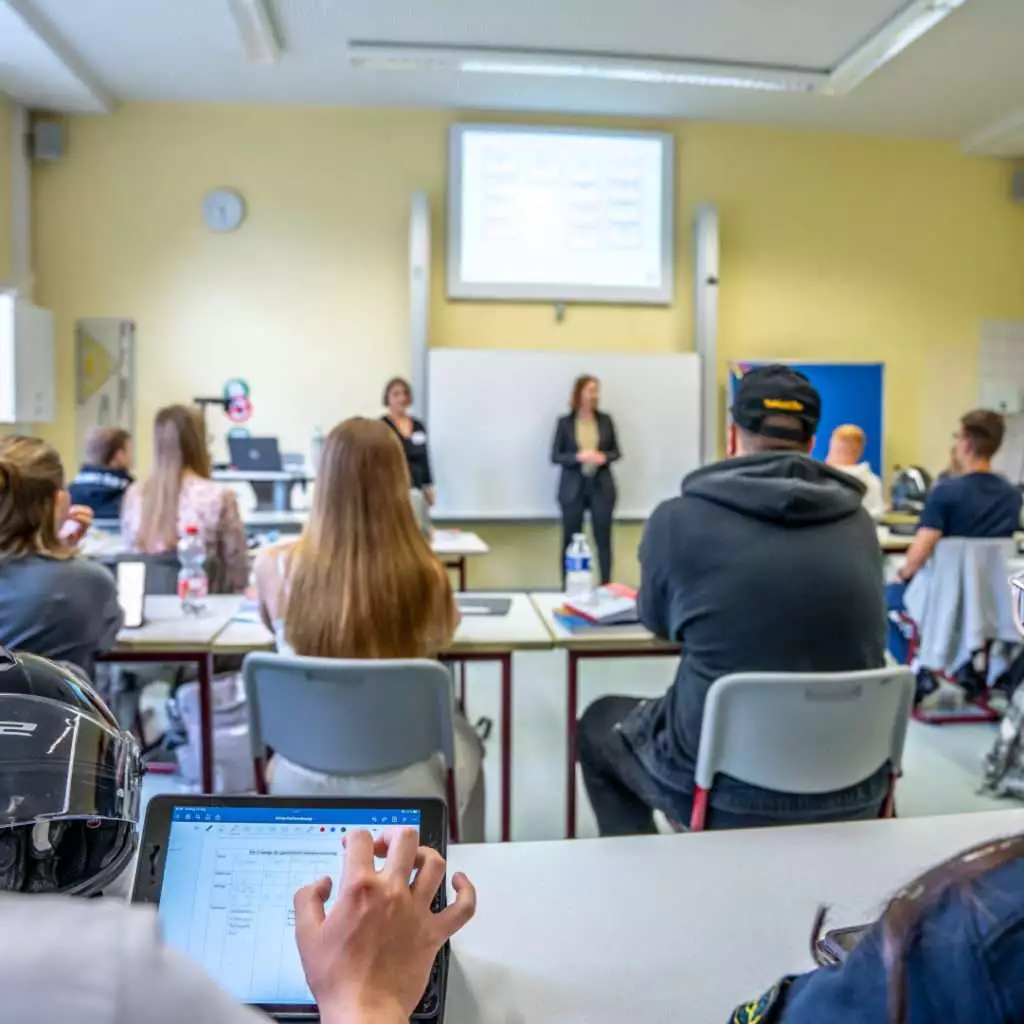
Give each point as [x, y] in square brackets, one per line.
[599, 458]
[76, 525]
[586, 457]
[428, 493]
[369, 959]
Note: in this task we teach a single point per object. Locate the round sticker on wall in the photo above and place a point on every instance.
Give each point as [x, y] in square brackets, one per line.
[240, 409]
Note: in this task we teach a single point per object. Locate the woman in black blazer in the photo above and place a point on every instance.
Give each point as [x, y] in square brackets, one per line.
[411, 432]
[585, 446]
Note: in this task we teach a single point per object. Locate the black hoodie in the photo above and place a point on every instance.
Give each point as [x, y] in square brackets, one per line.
[765, 563]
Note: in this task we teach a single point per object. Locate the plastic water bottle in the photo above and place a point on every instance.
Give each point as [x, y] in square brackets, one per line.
[193, 584]
[579, 576]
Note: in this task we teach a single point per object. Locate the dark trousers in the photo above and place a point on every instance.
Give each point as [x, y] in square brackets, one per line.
[624, 796]
[601, 509]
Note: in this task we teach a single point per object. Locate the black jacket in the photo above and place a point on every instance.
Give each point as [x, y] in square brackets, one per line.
[564, 450]
[766, 563]
[102, 489]
[417, 455]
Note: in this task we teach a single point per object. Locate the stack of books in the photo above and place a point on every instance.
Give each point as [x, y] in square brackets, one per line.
[607, 608]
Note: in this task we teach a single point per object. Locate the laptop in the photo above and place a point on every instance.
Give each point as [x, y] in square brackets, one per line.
[255, 454]
[222, 871]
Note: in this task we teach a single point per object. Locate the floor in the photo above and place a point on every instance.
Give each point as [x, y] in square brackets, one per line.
[942, 765]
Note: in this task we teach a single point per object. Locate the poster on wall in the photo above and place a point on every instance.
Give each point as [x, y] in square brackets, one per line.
[104, 376]
[850, 393]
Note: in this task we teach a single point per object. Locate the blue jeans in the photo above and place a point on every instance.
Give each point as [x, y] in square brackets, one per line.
[899, 645]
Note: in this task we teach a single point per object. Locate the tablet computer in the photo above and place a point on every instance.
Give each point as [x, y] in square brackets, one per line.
[223, 872]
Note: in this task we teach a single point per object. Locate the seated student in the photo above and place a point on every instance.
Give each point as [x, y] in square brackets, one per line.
[976, 502]
[948, 948]
[362, 582]
[52, 602]
[104, 477]
[767, 562]
[845, 450]
[179, 492]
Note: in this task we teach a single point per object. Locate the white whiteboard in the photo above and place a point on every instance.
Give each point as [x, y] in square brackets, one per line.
[491, 418]
[540, 213]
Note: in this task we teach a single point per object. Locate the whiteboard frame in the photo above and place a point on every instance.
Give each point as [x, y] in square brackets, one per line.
[457, 288]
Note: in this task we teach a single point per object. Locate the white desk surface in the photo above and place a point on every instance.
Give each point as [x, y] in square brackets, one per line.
[458, 544]
[674, 929]
[634, 637]
[521, 629]
[268, 519]
[235, 476]
[168, 628]
[891, 543]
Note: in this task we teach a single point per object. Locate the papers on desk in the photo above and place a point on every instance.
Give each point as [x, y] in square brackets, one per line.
[249, 612]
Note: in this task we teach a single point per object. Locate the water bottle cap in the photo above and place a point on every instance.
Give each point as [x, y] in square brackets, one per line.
[191, 530]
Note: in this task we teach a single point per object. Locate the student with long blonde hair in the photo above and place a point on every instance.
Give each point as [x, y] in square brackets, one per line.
[180, 492]
[52, 603]
[362, 582]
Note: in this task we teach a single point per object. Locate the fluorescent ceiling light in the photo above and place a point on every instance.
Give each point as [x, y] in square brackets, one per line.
[255, 26]
[553, 64]
[905, 29]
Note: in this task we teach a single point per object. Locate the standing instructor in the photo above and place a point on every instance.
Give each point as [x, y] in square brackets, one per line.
[585, 446]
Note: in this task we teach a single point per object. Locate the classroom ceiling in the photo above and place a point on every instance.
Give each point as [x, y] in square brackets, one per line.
[962, 80]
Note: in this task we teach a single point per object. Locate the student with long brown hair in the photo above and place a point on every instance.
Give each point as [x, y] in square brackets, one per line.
[362, 582]
[52, 603]
[180, 492]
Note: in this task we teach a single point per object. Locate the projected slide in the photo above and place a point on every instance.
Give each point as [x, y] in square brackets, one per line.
[556, 214]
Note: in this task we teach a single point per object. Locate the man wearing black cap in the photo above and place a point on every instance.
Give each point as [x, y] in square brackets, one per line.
[766, 563]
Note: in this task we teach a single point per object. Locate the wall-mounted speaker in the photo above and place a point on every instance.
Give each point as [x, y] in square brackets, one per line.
[47, 139]
[1018, 187]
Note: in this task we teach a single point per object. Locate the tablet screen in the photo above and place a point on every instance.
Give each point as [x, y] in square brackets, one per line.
[230, 875]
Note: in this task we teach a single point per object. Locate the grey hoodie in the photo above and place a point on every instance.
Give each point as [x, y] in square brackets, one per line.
[99, 962]
[765, 563]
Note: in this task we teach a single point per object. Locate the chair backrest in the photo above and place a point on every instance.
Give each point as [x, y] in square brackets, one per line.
[805, 732]
[346, 717]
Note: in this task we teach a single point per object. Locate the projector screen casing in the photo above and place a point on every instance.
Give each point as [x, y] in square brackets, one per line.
[458, 288]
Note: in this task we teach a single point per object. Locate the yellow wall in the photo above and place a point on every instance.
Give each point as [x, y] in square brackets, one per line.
[5, 191]
[833, 247]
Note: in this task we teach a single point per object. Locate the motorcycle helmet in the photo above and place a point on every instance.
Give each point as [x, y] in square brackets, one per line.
[910, 488]
[70, 781]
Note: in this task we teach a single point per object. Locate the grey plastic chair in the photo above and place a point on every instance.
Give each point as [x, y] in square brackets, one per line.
[803, 733]
[343, 717]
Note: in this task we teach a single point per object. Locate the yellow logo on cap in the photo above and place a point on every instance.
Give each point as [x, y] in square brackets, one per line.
[786, 404]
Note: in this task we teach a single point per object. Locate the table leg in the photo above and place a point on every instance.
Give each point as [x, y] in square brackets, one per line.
[462, 687]
[460, 565]
[205, 664]
[570, 738]
[506, 746]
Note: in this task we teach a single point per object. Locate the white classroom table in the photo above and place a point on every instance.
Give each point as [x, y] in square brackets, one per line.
[283, 481]
[674, 929]
[616, 642]
[478, 638]
[168, 635]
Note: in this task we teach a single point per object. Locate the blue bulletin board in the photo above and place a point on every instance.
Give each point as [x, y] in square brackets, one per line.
[850, 393]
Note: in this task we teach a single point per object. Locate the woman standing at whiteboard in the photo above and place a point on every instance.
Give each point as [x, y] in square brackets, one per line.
[585, 446]
[411, 432]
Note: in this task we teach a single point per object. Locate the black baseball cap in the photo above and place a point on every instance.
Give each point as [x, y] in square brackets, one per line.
[777, 390]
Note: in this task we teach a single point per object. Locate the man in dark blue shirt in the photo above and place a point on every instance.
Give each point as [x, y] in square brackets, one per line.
[977, 503]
